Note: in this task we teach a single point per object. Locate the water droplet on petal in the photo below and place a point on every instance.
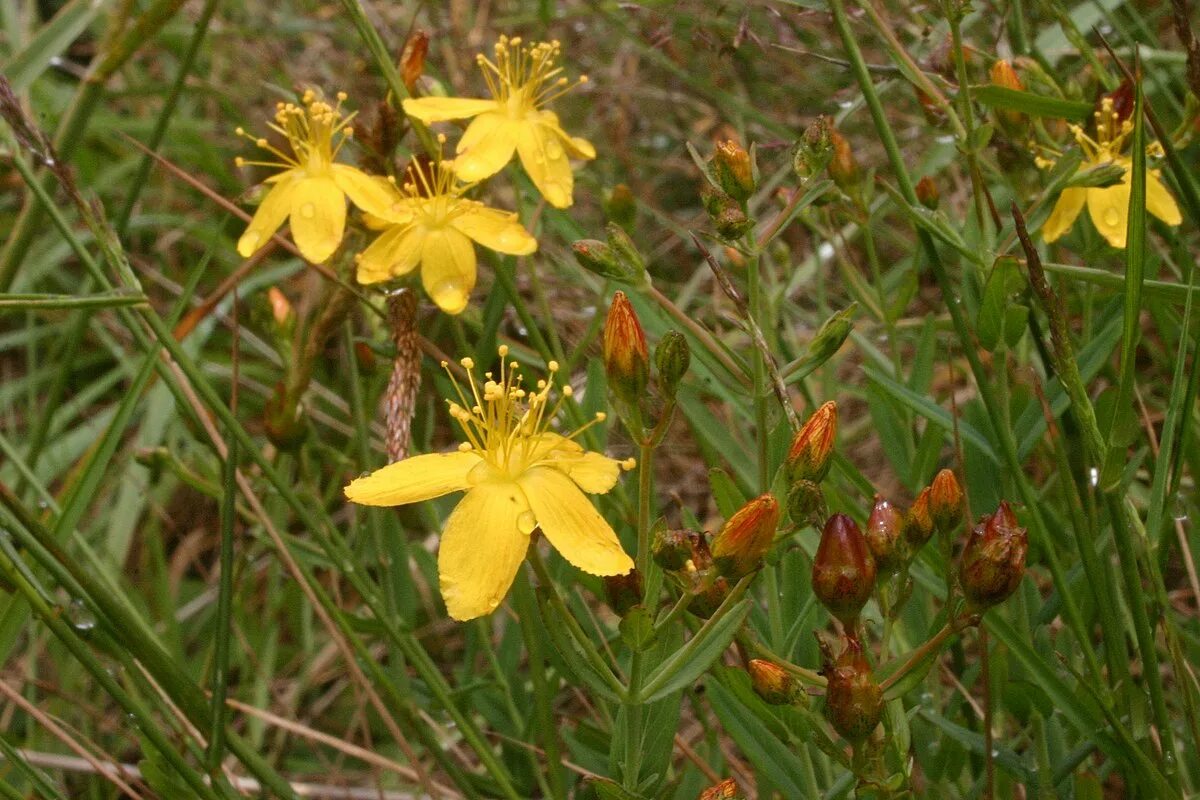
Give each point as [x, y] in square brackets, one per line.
[251, 239]
[449, 294]
[492, 603]
[1111, 216]
[526, 522]
[308, 211]
[553, 149]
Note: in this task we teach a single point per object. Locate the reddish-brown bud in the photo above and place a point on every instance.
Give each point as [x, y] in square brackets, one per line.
[1122, 100]
[918, 522]
[928, 193]
[946, 501]
[993, 561]
[412, 60]
[811, 452]
[733, 169]
[772, 683]
[1004, 76]
[626, 357]
[725, 790]
[853, 699]
[746, 537]
[884, 534]
[623, 592]
[843, 572]
[843, 167]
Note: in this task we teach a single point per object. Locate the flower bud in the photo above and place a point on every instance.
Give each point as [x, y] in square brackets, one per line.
[946, 501]
[620, 206]
[709, 590]
[626, 252]
[928, 193]
[993, 560]
[626, 357]
[918, 522]
[814, 149]
[806, 503]
[811, 451]
[772, 683]
[830, 337]
[885, 529]
[623, 592]
[853, 699]
[412, 60]
[734, 170]
[281, 311]
[283, 419]
[843, 167]
[1004, 76]
[843, 571]
[746, 537]
[732, 223]
[672, 358]
[725, 790]
[671, 550]
[602, 259]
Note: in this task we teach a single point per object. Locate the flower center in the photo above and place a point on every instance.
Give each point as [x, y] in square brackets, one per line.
[505, 423]
[315, 132]
[524, 77]
[435, 191]
[1111, 133]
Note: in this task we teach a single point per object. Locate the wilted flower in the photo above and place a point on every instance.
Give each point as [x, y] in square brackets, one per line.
[843, 571]
[522, 80]
[843, 166]
[993, 560]
[518, 475]
[725, 790]
[623, 592]
[746, 537]
[312, 188]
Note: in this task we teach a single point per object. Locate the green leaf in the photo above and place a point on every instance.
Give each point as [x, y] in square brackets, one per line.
[725, 492]
[691, 660]
[762, 744]
[563, 644]
[1035, 105]
[637, 629]
[50, 42]
[996, 319]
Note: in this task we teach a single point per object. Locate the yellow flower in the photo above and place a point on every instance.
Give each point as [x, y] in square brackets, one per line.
[312, 188]
[427, 222]
[1108, 206]
[518, 475]
[521, 80]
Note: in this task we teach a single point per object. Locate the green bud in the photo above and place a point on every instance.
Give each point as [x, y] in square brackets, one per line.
[831, 335]
[672, 358]
[806, 503]
[734, 170]
[626, 252]
[814, 150]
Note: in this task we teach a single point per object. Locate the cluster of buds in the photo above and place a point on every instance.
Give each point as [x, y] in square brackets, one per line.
[626, 356]
[706, 565]
[731, 178]
[808, 460]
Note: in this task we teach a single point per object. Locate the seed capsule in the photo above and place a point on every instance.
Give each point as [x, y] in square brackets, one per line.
[993, 560]
[843, 572]
[672, 357]
[853, 699]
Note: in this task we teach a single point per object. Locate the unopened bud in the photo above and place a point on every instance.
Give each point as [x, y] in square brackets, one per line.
[746, 537]
[620, 206]
[772, 683]
[814, 149]
[281, 310]
[725, 790]
[734, 170]
[928, 193]
[811, 451]
[627, 254]
[945, 501]
[934, 114]
[626, 357]
[806, 503]
[672, 357]
[843, 571]
[596, 256]
[1122, 100]
[283, 419]
[993, 560]
[884, 534]
[732, 223]
[843, 167]
[918, 522]
[365, 356]
[832, 334]
[671, 550]
[1004, 76]
[412, 60]
[853, 699]
[623, 592]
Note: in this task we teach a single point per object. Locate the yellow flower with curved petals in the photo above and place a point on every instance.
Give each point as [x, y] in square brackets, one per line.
[1108, 206]
[522, 79]
[312, 189]
[428, 223]
[518, 476]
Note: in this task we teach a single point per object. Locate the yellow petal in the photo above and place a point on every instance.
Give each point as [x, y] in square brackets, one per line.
[1159, 200]
[499, 230]
[371, 194]
[271, 213]
[577, 146]
[572, 524]
[545, 159]
[1069, 204]
[414, 479]
[439, 109]
[1109, 210]
[448, 268]
[318, 218]
[482, 548]
[595, 473]
[393, 253]
[486, 146]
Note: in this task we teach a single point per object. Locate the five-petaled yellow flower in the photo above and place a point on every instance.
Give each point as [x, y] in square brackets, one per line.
[518, 475]
[1108, 206]
[312, 188]
[522, 79]
[428, 222]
